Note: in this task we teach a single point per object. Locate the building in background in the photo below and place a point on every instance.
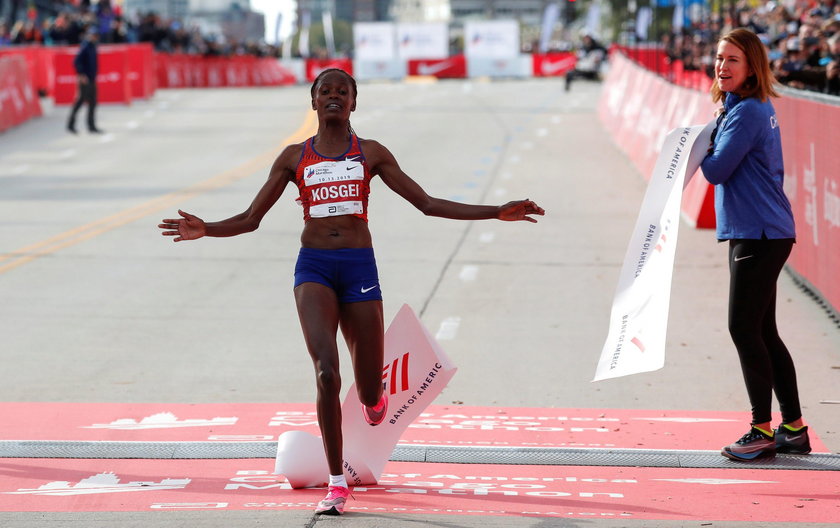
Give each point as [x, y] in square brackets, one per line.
[349, 10]
[420, 11]
[169, 9]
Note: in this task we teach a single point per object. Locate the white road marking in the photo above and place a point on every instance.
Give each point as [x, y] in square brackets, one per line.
[468, 273]
[448, 329]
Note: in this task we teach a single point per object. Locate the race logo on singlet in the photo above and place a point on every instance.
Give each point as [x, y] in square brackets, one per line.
[335, 188]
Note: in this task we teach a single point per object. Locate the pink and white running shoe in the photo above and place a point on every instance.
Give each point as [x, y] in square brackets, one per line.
[333, 503]
[375, 415]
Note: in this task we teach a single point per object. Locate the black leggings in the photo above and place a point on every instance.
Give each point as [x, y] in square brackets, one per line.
[754, 267]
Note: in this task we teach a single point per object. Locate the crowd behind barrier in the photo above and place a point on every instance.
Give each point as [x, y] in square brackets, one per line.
[802, 39]
[639, 107]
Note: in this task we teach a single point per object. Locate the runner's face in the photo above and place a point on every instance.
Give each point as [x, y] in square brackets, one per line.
[731, 68]
[334, 96]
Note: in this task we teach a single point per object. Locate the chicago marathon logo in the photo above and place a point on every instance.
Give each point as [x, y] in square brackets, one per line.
[164, 420]
[101, 483]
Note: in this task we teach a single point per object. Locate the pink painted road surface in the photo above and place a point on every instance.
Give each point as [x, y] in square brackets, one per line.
[440, 425]
[48, 485]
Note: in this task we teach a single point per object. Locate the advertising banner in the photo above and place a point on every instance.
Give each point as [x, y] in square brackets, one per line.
[454, 67]
[812, 183]
[552, 64]
[492, 39]
[639, 316]
[112, 81]
[429, 40]
[517, 66]
[316, 66]
[394, 69]
[374, 41]
[18, 100]
[414, 373]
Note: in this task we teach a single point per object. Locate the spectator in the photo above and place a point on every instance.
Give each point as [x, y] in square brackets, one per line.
[590, 57]
[87, 66]
[5, 35]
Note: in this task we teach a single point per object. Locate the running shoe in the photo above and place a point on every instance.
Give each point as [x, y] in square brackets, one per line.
[333, 503]
[754, 445]
[792, 442]
[375, 415]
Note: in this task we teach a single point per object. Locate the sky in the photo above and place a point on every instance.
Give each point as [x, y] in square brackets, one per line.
[271, 8]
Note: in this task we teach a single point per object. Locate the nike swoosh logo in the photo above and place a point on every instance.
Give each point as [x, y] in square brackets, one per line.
[738, 259]
[554, 67]
[431, 69]
[365, 290]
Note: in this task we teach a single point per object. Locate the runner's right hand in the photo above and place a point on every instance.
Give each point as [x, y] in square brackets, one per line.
[189, 227]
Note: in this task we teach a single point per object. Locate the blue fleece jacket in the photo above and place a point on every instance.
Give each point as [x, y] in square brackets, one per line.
[745, 165]
[86, 62]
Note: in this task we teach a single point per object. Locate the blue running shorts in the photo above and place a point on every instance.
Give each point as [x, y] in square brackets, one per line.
[350, 272]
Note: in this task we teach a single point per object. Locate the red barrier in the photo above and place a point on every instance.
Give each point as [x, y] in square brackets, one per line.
[141, 70]
[34, 64]
[182, 71]
[812, 182]
[552, 64]
[316, 66]
[639, 108]
[454, 67]
[18, 100]
[112, 81]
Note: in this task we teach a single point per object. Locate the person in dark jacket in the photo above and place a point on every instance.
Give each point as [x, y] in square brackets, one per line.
[745, 165]
[86, 64]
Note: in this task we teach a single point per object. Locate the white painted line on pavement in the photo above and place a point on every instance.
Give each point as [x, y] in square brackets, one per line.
[468, 273]
[69, 153]
[132, 125]
[448, 328]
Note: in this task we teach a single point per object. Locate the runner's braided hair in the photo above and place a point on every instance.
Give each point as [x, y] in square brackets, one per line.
[352, 83]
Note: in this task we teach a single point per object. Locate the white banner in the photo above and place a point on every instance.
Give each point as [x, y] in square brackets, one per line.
[492, 39]
[415, 372]
[374, 41]
[551, 15]
[426, 40]
[639, 316]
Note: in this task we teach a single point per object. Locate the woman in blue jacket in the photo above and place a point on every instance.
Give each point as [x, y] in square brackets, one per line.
[745, 165]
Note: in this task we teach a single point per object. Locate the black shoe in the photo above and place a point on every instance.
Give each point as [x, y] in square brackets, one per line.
[71, 129]
[792, 442]
[96, 131]
[754, 445]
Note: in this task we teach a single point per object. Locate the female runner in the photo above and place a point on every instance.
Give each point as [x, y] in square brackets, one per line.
[336, 280]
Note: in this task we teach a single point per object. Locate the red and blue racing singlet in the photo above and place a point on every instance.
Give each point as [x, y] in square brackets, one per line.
[333, 186]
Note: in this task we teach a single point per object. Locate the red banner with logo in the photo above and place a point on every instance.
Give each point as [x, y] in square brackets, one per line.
[454, 67]
[552, 64]
[112, 81]
[193, 71]
[316, 66]
[18, 100]
[812, 182]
